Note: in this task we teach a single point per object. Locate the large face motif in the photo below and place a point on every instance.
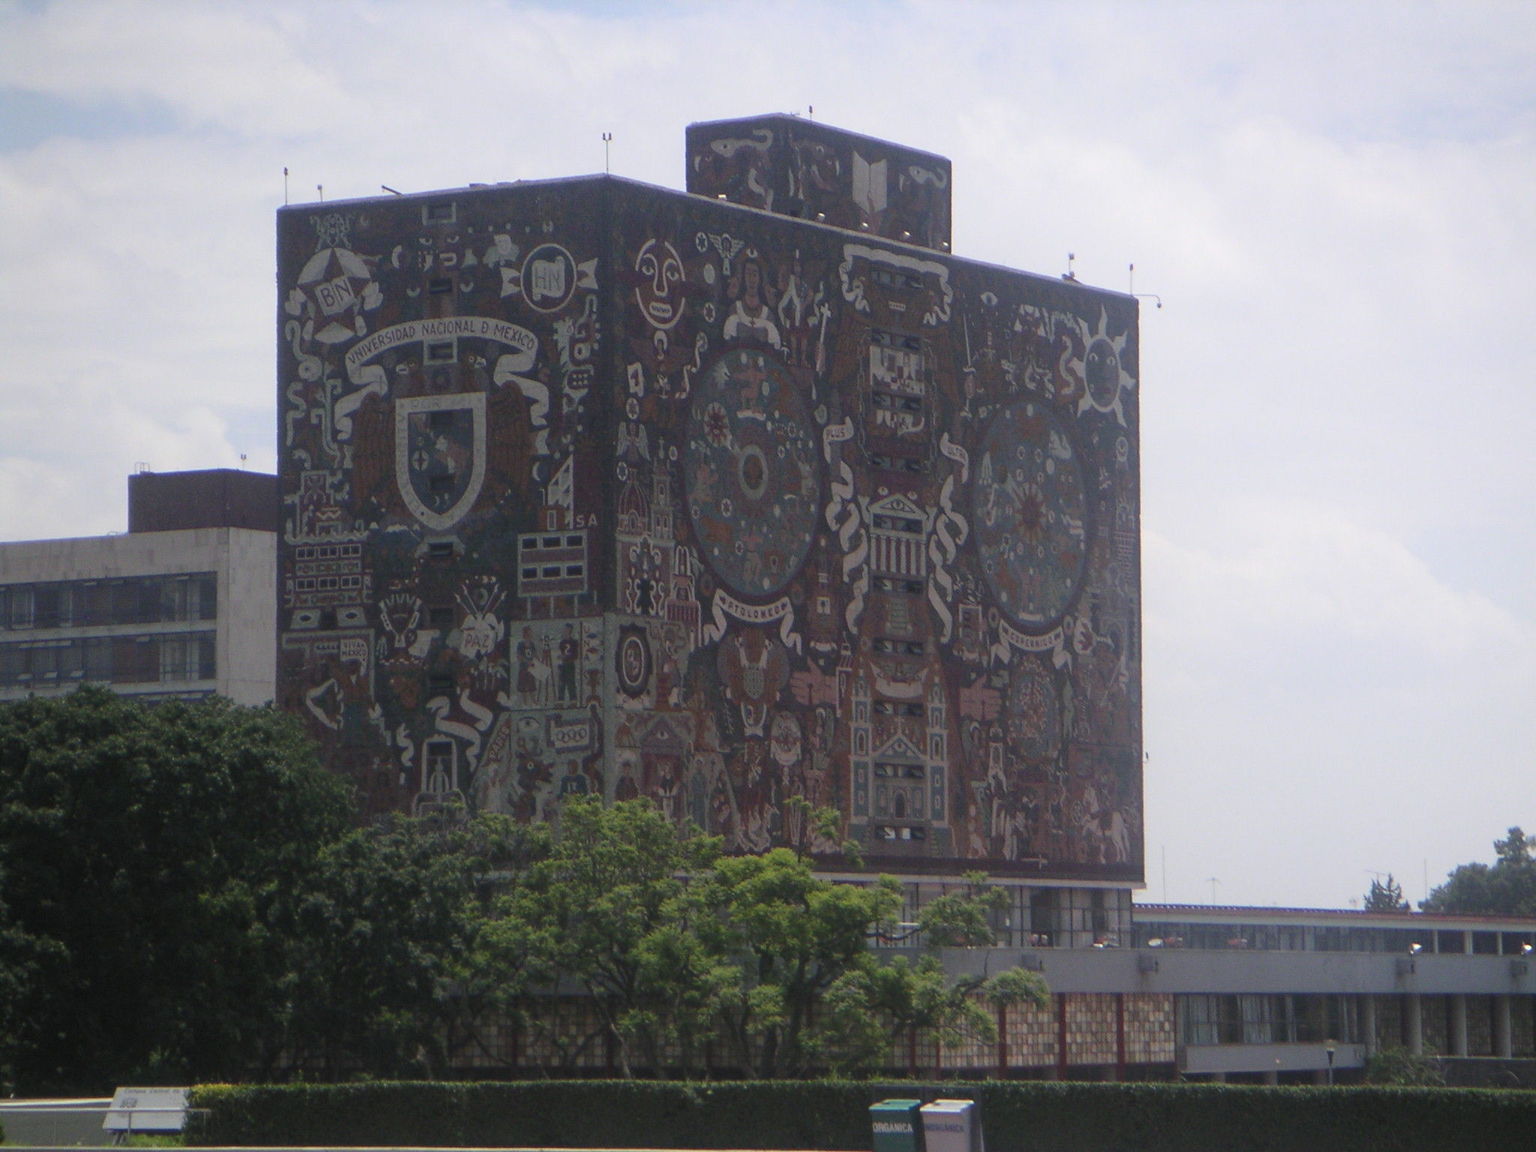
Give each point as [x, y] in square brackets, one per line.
[659, 292]
[1102, 369]
[753, 482]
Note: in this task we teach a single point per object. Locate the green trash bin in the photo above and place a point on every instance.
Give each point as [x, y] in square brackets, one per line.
[897, 1125]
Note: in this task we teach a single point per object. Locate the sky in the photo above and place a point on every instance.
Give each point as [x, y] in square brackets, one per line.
[1334, 204]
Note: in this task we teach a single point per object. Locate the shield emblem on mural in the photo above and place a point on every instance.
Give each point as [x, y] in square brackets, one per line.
[440, 455]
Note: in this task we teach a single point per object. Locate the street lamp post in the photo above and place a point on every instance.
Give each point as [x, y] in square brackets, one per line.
[1330, 1047]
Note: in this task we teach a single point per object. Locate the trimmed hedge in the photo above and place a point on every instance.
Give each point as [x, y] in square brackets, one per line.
[580, 1113]
[1040, 1117]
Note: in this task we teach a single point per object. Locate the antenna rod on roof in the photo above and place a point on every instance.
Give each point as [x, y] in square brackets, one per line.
[387, 188]
[1131, 290]
[607, 140]
[285, 185]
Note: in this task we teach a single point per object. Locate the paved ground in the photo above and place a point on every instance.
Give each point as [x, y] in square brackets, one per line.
[54, 1123]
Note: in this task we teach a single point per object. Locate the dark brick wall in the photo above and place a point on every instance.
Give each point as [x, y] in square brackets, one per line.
[212, 498]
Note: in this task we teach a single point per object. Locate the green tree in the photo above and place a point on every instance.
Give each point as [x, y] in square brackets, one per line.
[1385, 896]
[1505, 888]
[142, 850]
[387, 968]
[794, 934]
[1400, 1067]
[875, 1006]
[964, 918]
[1014, 986]
[618, 908]
[22, 958]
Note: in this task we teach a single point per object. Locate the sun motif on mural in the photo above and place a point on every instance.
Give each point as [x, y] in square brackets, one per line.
[753, 482]
[1031, 514]
[1104, 372]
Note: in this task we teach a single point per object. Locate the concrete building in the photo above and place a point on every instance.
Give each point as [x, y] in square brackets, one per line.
[1250, 995]
[727, 498]
[1260, 991]
[182, 605]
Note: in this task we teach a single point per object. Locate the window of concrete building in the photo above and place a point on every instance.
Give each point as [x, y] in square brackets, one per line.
[109, 659]
[135, 660]
[1449, 940]
[187, 658]
[206, 589]
[86, 603]
[71, 656]
[1044, 916]
[122, 603]
[98, 659]
[44, 662]
[1332, 939]
[45, 606]
[19, 607]
[1267, 1019]
[173, 599]
[173, 659]
[1098, 914]
[94, 603]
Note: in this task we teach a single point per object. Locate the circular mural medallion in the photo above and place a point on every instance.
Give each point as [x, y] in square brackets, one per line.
[754, 489]
[1031, 514]
[633, 660]
[1034, 714]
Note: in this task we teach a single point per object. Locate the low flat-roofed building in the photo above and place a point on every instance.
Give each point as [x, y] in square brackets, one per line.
[185, 611]
[1274, 995]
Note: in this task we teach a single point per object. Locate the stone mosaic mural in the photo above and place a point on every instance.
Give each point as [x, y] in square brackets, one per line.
[596, 487]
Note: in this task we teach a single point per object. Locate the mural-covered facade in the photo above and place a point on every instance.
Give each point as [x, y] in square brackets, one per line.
[591, 486]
